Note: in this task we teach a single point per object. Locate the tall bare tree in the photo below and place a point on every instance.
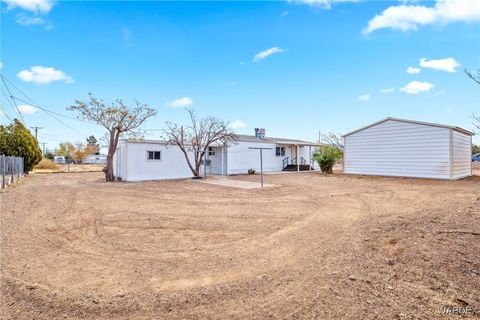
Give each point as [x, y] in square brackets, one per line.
[331, 139]
[195, 138]
[119, 119]
[476, 78]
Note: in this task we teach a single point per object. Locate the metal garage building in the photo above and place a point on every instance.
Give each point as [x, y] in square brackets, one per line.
[407, 148]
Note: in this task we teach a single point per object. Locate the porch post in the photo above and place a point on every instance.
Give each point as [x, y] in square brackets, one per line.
[309, 158]
[298, 158]
[223, 150]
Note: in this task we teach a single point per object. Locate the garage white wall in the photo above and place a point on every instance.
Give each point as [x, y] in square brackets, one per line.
[137, 168]
[462, 155]
[395, 148]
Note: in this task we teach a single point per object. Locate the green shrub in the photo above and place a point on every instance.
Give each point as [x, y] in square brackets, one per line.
[326, 156]
[49, 155]
[16, 141]
[251, 171]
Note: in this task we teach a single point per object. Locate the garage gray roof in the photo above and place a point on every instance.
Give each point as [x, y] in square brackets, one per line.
[415, 122]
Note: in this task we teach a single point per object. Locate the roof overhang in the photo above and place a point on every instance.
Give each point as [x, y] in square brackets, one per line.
[414, 122]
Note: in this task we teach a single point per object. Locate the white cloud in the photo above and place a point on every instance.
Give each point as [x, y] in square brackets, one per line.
[448, 64]
[325, 4]
[387, 90]
[43, 75]
[410, 17]
[36, 6]
[416, 87]
[413, 70]
[27, 109]
[181, 102]
[440, 93]
[1, 65]
[25, 20]
[266, 53]
[364, 97]
[237, 124]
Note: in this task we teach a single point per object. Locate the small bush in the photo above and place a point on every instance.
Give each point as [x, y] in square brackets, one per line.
[251, 171]
[47, 164]
[326, 156]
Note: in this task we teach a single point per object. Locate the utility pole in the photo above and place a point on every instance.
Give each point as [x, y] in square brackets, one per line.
[43, 144]
[261, 161]
[36, 131]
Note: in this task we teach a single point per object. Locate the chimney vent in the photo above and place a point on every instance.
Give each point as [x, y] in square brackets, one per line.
[259, 133]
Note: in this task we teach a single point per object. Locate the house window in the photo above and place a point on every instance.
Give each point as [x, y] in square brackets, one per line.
[211, 151]
[280, 151]
[153, 155]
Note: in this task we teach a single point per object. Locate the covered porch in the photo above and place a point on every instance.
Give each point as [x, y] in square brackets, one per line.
[297, 156]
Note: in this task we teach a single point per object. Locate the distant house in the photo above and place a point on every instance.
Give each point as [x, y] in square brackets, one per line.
[408, 148]
[59, 159]
[96, 159]
[157, 160]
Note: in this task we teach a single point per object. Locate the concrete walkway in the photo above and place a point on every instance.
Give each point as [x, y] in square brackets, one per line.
[227, 182]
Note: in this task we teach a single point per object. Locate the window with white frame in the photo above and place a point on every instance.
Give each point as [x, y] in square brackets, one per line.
[280, 151]
[154, 155]
[211, 151]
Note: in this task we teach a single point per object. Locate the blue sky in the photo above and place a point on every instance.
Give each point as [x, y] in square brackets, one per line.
[321, 64]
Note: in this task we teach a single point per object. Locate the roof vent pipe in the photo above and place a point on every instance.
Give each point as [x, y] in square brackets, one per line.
[259, 133]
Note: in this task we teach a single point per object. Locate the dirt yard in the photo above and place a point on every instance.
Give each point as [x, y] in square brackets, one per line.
[67, 168]
[312, 247]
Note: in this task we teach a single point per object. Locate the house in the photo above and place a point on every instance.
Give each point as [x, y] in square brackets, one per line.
[59, 159]
[96, 158]
[408, 148]
[158, 160]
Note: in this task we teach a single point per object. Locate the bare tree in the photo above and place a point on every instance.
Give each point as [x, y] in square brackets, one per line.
[476, 122]
[331, 139]
[476, 78]
[195, 138]
[118, 118]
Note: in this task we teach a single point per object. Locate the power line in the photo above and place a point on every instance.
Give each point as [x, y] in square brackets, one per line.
[11, 96]
[36, 131]
[47, 110]
[10, 104]
[4, 111]
[50, 113]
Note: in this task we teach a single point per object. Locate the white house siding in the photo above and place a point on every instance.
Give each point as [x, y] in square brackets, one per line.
[462, 155]
[395, 148]
[216, 166]
[136, 167]
[241, 157]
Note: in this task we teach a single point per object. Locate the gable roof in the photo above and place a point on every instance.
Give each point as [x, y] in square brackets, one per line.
[414, 122]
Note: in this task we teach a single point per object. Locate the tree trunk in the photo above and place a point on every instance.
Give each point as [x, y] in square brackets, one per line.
[109, 175]
[109, 168]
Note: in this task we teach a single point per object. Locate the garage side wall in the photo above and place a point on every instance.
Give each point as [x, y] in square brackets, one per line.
[172, 163]
[394, 148]
[462, 155]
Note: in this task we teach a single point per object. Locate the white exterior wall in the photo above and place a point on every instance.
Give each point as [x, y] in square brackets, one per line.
[134, 165]
[216, 166]
[240, 158]
[395, 148]
[462, 155]
[130, 160]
